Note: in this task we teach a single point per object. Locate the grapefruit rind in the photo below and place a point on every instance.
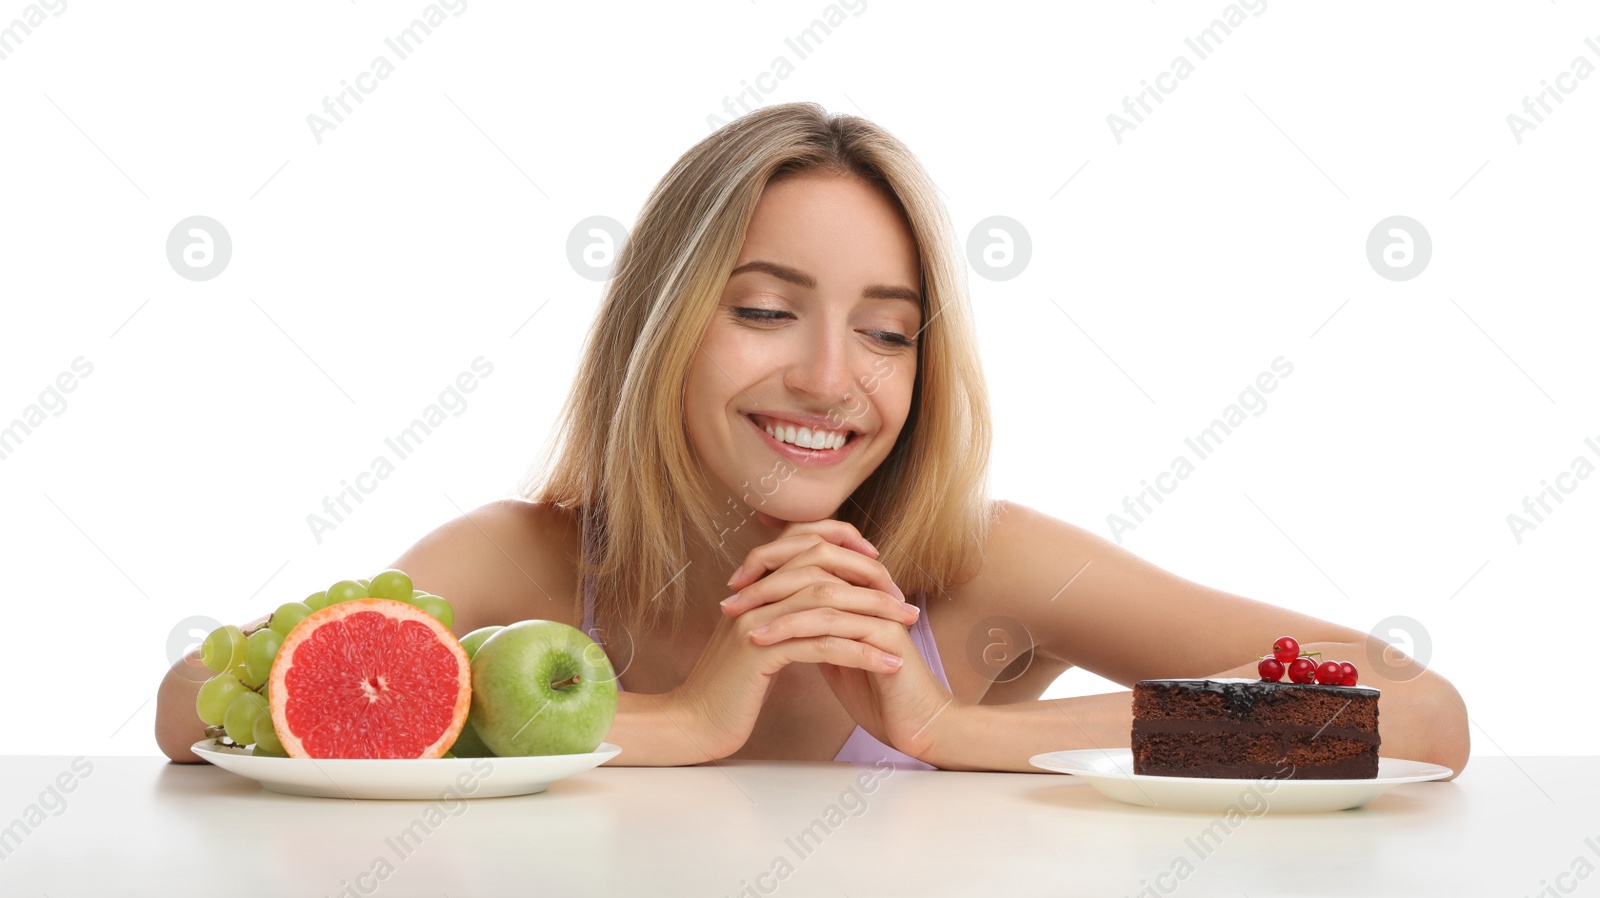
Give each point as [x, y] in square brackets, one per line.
[362, 676]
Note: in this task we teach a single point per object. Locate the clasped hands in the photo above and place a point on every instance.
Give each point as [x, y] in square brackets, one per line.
[817, 593]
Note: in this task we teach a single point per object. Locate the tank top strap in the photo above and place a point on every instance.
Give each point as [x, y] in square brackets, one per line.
[588, 579]
[922, 637]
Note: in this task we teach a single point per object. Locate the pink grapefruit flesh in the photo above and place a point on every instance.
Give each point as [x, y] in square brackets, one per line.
[369, 678]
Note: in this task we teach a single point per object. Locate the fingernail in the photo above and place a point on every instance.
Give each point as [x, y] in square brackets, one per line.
[758, 631]
[915, 611]
[892, 661]
[729, 600]
[736, 572]
[899, 593]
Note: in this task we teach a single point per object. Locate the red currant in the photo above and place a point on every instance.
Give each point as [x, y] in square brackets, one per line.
[1329, 673]
[1271, 669]
[1301, 670]
[1286, 649]
[1349, 671]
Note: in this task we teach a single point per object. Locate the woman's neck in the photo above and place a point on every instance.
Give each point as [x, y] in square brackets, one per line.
[707, 573]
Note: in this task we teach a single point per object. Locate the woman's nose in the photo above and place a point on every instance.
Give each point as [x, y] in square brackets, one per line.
[822, 367]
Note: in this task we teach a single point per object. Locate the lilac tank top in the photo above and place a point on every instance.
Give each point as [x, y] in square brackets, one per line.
[862, 747]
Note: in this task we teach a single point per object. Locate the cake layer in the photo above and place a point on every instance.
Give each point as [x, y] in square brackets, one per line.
[1301, 704]
[1287, 756]
[1146, 728]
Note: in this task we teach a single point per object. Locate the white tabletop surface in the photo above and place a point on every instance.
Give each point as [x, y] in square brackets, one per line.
[142, 826]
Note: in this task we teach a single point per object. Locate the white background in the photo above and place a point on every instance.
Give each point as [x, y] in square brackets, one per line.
[1167, 271]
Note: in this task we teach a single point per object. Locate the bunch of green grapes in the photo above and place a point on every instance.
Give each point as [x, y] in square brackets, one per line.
[234, 701]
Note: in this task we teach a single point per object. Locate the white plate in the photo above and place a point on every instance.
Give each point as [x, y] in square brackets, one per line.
[421, 779]
[1111, 771]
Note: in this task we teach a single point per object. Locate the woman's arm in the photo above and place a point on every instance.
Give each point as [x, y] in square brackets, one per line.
[1090, 603]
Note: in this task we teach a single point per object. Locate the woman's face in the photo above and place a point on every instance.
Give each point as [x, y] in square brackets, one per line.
[810, 332]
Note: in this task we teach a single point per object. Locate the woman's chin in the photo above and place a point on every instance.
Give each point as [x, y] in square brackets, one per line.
[782, 517]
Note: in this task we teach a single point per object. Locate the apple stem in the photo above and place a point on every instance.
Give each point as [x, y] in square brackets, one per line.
[570, 681]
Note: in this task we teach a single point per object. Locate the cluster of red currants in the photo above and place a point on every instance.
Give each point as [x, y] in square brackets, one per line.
[1286, 656]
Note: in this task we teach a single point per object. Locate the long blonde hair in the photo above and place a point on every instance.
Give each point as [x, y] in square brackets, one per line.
[622, 456]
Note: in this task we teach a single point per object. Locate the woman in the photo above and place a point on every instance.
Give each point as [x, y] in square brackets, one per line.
[782, 384]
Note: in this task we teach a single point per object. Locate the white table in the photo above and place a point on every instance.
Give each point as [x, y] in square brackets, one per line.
[143, 826]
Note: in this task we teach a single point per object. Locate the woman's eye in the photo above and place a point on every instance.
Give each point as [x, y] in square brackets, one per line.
[758, 314]
[886, 338]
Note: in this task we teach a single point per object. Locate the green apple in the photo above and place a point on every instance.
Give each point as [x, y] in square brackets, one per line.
[468, 743]
[542, 687]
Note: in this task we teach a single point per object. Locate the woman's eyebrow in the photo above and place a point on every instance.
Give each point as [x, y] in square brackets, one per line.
[800, 278]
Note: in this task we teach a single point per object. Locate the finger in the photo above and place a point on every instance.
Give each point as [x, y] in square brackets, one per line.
[771, 556]
[809, 587]
[876, 632]
[847, 565]
[815, 585]
[827, 564]
[840, 652]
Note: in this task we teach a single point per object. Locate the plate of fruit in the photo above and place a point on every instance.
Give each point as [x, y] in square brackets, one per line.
[361, 691]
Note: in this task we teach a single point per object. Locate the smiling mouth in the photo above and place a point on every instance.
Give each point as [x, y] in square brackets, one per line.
[804, 438]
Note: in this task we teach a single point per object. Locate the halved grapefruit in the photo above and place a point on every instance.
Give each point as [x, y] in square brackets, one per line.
[370, 678]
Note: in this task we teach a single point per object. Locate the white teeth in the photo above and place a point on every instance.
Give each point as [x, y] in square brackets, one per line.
[805, 437]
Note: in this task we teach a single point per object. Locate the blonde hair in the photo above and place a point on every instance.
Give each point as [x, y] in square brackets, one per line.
[624, 457]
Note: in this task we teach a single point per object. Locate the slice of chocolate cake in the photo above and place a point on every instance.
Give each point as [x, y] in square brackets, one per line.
[1238, 728]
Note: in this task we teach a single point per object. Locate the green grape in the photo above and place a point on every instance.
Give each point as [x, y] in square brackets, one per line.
[215, 696]
[243, 673]
[437, 607]
[287, 615]
[418, 592]
[345, 590]
[316, 601]
[391, 584]
[365, 582]
[259, 650]
[240, 718]
[266, 738]
[223, 648]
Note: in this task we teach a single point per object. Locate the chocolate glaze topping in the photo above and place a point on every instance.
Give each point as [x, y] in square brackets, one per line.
[1240, 695]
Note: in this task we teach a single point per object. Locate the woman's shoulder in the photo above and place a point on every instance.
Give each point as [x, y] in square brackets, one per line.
[504, 561]
[1024, 548]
